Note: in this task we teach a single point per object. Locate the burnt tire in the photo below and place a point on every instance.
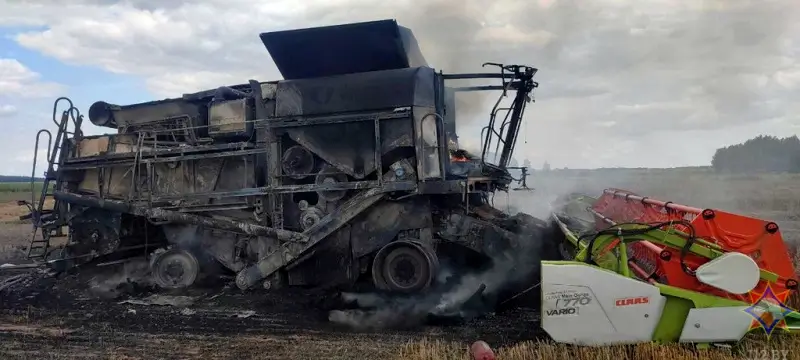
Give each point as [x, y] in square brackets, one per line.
[404, 267]
[174, 269]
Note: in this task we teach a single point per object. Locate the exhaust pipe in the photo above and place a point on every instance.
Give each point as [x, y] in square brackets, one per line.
[101, 114]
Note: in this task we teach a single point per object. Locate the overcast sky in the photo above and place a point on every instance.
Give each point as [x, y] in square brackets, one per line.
[652, 83]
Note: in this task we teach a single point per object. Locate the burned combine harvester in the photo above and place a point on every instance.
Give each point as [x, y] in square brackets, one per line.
[340, 172]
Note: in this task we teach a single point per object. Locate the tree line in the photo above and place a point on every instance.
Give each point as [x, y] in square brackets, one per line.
[5, 178]
[760, 154]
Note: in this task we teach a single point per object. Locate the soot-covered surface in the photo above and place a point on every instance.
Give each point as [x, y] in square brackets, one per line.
[46, 317]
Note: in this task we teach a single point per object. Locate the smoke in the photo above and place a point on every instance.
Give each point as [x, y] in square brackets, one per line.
[112, 283]
[210, 251]
[610, 69]
[115, 280]
[457, 295]
[464, 300]
[453, 38]
[185, 237]
[548, 188]
[449, 33]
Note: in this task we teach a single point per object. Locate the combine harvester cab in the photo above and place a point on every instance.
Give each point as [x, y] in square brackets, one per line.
[338, 172]
[642, 270]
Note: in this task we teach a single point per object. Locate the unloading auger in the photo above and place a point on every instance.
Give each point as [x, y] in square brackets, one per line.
[638, 269]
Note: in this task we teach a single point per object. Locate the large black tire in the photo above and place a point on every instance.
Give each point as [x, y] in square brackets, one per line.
[404, 267]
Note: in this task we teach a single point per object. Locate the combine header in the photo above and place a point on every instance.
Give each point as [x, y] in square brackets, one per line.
[640, 269]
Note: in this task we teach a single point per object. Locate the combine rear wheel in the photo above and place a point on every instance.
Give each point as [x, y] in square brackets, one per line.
[404, 266]
[174, 269]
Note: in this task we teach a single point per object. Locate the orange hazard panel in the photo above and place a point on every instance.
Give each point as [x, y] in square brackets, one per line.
[759, 239]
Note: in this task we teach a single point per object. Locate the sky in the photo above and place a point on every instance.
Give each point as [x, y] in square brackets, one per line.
[650, 83]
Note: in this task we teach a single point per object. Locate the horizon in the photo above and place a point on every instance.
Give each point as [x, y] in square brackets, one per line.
[704, 167]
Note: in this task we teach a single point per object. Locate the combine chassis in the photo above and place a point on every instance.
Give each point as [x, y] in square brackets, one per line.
[341, 172]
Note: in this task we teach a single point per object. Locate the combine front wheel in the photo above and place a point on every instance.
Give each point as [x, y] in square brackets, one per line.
[404, 266]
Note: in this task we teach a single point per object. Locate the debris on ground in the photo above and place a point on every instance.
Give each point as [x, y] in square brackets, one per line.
[42, 301]
[158, 299]
[19, 266]
[188, 312]
[245, 314]
[15, 281]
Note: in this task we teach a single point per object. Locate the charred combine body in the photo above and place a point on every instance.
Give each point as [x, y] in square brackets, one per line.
[339, 173]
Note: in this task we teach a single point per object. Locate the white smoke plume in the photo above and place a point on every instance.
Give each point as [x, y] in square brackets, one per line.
[453, 297]
[115, 280]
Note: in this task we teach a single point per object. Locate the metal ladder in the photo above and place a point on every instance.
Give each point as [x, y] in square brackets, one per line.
[56, 156]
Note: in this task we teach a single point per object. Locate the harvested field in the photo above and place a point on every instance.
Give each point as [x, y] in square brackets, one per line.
[64, 318]
[752, 348]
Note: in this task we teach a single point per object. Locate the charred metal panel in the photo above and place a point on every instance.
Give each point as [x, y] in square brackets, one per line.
[174, 178]
[396, 133]
[107, 144]
[237, 173]
[480, 236]
[342, 49]
[205, 175]
[114, 181]
[368, 91]
[380, 224]
[202, 176]
[331, 263]
[335, 143]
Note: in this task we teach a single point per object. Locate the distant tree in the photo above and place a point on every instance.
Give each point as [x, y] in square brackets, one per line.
[759, 154]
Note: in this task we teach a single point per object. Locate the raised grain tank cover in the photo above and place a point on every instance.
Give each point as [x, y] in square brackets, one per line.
[343, 49]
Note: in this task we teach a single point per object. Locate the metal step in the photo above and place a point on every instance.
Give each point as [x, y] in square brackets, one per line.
[38, 249]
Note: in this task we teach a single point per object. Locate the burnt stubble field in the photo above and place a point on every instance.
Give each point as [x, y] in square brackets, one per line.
[84, 316]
